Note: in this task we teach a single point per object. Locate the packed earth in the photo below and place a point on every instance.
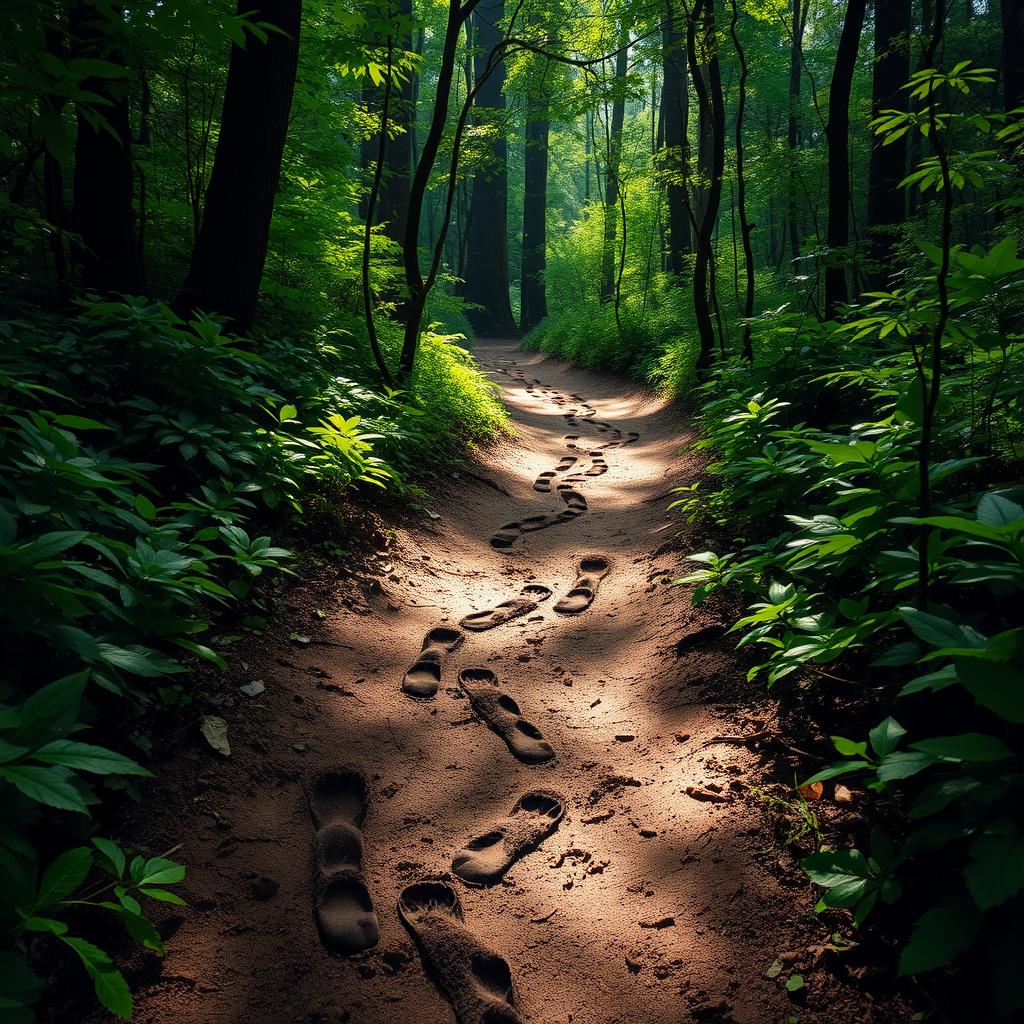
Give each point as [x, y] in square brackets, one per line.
[545, 811]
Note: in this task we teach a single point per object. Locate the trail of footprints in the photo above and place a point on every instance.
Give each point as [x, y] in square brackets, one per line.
[476, 980]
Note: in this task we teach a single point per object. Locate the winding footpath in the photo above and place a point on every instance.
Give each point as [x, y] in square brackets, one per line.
[488, 788]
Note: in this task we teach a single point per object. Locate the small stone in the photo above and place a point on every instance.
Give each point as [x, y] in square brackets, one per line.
[648, 833]
[624, 738]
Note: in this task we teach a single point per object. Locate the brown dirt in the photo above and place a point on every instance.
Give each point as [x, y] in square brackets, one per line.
[648, 905]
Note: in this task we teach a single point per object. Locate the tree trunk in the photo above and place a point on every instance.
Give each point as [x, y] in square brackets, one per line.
[1013, 53]
[886, 200]
[747, 309]
[707, 83]
[675, 105]
[838, 133]
[398, 158]
[103, 210]
[533, 298]
[227, 263]
[793, 138]
[486, 280]
[613, 160]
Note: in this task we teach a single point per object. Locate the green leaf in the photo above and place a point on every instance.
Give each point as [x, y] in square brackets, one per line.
[940, 935]
[80, 423]
[112, 856]
[835, 770]
[795, 983]
[63, 877]
[287, 412]
[47, 786]
[163, 896]
[996, 871]
[86, 757]
[995, 510]
[969, 746]
[834, 867]
[848, 748]
[51, 711]
[160, 871]
[145, 507]
[996, 686]
[886, 736]
[111, 988]
[902, 764]
[19, 987]
[142, 931]
[933, 630]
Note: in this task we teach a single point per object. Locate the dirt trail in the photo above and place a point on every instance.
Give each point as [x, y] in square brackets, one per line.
[642, 903]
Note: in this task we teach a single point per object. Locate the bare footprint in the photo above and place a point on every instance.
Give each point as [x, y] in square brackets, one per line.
[424, 677]
[544, 481]
[476, 980]
[599, 466]
[345, 917]
[592, 570]
[568, 461]
[532, 595]
[487, 857]
[502, 714]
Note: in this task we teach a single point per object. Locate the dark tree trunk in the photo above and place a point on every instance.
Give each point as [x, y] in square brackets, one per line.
[707, 83]
[227, 263]
[838, 132]
[746, 227]
[103, 212]
[675, 106]
[886, 200]
[534, 305]
[793, 135]
[486, 279]
[613, 160]
[1013, 53]
[398, 153]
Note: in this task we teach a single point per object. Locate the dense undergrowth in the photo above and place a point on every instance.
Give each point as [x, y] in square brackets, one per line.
[865, 482]
[151, 470]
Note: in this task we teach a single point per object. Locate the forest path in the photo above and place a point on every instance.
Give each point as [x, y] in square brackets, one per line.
[646, 904]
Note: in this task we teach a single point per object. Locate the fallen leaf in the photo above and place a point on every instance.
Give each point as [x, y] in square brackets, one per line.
[774, 969]
[253, 689]
[812, 792]
[215, 732]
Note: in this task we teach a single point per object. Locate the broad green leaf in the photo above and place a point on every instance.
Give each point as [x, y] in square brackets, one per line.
[886, 736]
[86, 757]
[47, 786]
[995, 510]
[940, 935]
[63, 877]
[996, 871]
[112, 856]
[51, 711]
[111, 988]
[160, 871]
[973, 747]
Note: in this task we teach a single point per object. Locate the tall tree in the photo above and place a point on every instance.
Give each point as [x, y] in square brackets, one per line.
[103, 212]
[227, 262]
[613, 165]
[1013, 53]
[675, 106]
[887, 167]
[705, 70]
[533, 298]
[746, 227]
[486, 271]
[798, 24]
[837, 132]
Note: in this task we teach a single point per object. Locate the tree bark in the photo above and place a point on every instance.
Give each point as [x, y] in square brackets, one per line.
[613, 160]
[1013, 53]
[103, 211]
[398, 151]
[486, 279]
[799, 19]
[533, 306]
[887, 167]
[675, 105]
[707, 83]
[741, 188]
[838, 134]
[227, 263]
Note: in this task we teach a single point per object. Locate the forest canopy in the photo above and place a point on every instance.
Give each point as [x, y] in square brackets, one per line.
[246, 251]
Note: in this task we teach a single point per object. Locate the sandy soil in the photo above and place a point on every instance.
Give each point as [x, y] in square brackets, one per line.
[647, 904]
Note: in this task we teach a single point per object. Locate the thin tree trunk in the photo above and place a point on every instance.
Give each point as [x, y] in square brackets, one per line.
[799, 17]
[613, 160]
[398, 154]
[741, 187]
[103, 211]
[887, 168]
[533, 306]
[227, 263]
[838, 133]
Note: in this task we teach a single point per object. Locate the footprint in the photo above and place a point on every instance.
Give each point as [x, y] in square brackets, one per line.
[599, 466]
[475, 980]
[487, 857]
[532, 595]
[568, 461]
[345, 917]
[502, 714]
[632, 437]
[423, 679]
[543, 482]
[592, 570]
